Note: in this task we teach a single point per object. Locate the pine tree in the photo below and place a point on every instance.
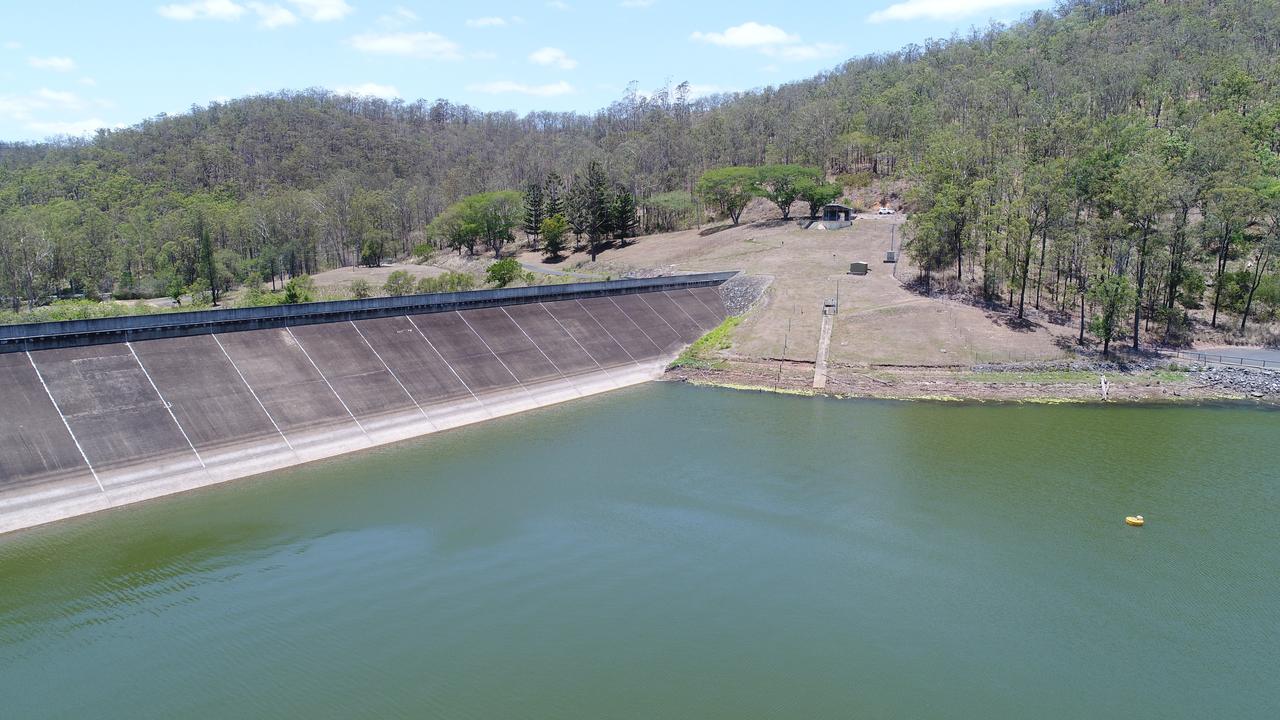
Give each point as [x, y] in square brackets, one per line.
[554, 196]
[624, 213]
[575, 209]
[207, 264]
[597, 207]
[533, 215]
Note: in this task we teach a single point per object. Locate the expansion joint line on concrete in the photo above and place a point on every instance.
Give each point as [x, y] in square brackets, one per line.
[165, 403]
[544, 352]
[633, 322]
[394, 376]
[333, 390]
[685, 312]
[574, 339]
[249, 387]
[664, 320]
[440, 355]
[596, 320]
[495, 356]
[703, 304]
[66, 424]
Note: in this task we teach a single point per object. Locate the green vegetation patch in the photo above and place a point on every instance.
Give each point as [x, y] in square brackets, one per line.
[701, 354]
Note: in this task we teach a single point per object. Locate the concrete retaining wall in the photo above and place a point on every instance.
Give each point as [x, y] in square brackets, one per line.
[87, 427]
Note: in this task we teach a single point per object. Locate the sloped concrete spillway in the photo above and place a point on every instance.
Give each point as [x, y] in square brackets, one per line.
[97, 414]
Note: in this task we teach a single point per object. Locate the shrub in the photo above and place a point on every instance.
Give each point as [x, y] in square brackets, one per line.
[448, 282]
[361, 289]
[299, 289]
[423, 252]
[503, 272]
[398, 283]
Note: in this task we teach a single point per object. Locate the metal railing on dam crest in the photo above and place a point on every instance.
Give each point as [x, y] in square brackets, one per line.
[68, 333]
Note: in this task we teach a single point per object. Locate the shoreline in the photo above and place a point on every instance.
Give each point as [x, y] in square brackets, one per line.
[991, 383]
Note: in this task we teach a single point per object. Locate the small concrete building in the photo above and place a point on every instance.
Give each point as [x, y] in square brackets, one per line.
[837, 213]
[832, 217]
[858, 268]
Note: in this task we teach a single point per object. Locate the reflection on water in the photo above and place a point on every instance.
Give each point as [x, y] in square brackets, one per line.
[684, 552]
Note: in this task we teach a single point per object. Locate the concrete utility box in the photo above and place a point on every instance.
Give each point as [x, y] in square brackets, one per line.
[858, 268]
[891, 256]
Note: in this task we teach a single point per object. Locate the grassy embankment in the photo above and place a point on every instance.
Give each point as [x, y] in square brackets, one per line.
[701, 354]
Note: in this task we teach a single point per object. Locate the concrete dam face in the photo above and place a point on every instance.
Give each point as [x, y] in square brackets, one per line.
[102, 413]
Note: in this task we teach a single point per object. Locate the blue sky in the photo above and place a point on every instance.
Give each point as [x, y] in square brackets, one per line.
[68, 67]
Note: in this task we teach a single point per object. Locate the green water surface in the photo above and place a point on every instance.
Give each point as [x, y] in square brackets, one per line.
[677, 552]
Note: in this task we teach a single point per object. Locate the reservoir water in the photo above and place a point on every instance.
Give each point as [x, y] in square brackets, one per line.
[671, 551]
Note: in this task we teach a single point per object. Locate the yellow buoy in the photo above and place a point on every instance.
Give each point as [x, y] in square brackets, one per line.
[1134, 520]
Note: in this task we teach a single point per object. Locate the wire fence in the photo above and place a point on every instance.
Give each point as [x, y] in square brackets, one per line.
[1217, 359]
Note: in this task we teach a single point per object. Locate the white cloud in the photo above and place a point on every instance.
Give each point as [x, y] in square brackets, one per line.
[424, 45]
[12, 45]
[67, 127]
[553, 57]
[802, 52]
[748, 34]
[88, 81]
[322, 10]
[939, 9]
[386, 92]
[558, 5]
[57, 64]
[202, 10]
[636, 3]
[484, 22]
[398, 17]
[769, 40]
[60, 98]
[505, 87]
[272, 16]
[24, 107]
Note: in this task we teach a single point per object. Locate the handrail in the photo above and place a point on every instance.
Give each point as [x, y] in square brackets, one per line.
[71, 333]
[1223, 359]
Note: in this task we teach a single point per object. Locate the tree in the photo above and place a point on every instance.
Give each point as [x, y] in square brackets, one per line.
[728, 189]
[779, 184]
[208, 268]
[554, 229]
[533, 214]
[553, 192]
[623, 212]
[1112, 295]
[596, 208]
[1141, 191]
[1265, 249]
[502, 273]
[487, 218]
[399, 283]
[816, 193]
[360, 289]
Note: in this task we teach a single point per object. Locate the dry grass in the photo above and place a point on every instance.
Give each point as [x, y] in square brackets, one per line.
[880, 320]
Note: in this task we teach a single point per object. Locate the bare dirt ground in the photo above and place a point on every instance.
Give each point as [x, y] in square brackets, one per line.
[888, 340]
[340, 279]
[880, 321]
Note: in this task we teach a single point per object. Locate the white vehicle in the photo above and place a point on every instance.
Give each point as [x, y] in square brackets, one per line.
[885, 211]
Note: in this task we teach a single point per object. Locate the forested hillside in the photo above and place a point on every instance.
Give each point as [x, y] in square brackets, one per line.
[1096, 154]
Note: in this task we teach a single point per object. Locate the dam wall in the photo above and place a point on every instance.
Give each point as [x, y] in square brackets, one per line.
[102, 413]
